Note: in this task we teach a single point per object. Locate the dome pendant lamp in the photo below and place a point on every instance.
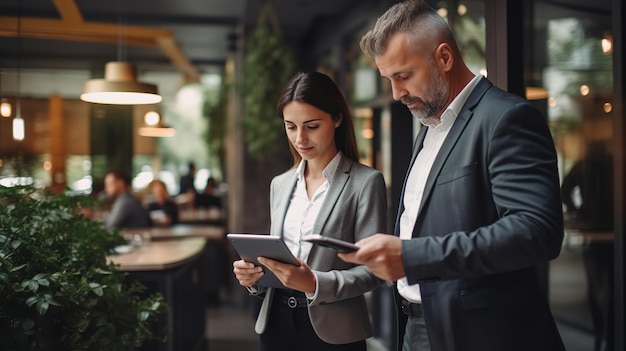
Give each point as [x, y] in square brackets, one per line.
[154, 126]
[120, 87]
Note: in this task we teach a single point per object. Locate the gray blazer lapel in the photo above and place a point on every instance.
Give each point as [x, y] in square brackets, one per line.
[337, 185]
[283, 197]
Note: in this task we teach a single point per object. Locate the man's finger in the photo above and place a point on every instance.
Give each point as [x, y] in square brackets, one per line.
[349, 257]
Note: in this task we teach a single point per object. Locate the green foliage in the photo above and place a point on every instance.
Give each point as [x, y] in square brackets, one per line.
[56, 289]
[268, 65]
[216, 113]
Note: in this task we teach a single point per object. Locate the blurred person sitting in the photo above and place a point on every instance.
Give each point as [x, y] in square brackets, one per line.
[209, 197]
[162, 209]
[127, 211]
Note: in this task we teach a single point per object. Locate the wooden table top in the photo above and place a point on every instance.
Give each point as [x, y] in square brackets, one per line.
[159, 255]
[212, 215]
[212, 232]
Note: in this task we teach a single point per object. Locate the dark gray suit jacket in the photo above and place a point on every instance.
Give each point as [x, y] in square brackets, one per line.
[491, 212]
[127, 212]
[355, 207]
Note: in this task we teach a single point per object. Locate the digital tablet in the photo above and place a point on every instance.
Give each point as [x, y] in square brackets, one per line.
[251, 246]
[335, 244]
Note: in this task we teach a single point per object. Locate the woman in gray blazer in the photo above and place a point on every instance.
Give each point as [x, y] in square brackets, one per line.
[326, 192]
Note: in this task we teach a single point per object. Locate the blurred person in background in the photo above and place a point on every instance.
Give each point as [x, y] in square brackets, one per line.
[587, 193]
[162, 209]
[209, 197]
[187, 180]
[127, 211]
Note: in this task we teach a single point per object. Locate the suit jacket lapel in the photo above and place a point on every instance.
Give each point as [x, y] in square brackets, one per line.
[283, 197]
[453, 136]
[417, 146]
[334, 190]
[337, 185]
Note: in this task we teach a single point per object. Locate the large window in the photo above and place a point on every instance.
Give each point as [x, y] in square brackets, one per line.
[572, 63]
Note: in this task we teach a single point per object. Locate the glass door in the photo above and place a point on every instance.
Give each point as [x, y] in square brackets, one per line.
[569, 75]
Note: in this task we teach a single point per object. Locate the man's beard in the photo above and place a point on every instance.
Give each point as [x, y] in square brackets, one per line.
[433, 103]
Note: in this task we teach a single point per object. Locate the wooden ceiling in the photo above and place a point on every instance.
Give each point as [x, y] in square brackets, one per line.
[71, 26]
[190, 36]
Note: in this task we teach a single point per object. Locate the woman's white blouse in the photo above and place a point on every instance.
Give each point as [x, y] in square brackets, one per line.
[302, 211]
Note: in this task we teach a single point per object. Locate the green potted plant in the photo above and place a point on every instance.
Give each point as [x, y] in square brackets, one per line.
[269, 62]
[57, 291]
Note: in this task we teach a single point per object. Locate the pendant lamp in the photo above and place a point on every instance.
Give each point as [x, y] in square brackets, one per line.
[19, 128]
[5, 108]
[120, 87]
[157, 132]
[154, 127]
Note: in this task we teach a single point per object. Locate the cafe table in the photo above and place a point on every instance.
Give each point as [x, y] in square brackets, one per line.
[210, 232]
[202, 216]
[160, 255]
[175, 269]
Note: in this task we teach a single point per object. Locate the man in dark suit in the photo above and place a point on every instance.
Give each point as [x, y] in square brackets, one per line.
[187, 180]
[127, 211]
[480, 207]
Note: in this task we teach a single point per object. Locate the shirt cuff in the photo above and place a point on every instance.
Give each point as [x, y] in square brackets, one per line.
[252, 289]
[313, 296]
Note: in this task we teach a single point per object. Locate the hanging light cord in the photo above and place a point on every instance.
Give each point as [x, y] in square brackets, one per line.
[18, 105]
[121, 19]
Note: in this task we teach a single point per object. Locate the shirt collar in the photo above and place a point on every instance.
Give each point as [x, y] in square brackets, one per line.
[453, 110]
[460, 99]
[329, 171]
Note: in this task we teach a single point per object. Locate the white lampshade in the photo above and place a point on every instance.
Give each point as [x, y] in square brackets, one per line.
[154, 126]
[157, 132]
[18, 128]
[120, 87]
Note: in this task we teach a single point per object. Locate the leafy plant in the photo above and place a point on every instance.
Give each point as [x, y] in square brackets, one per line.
[56, 289]
[268, 65]
[216, 112]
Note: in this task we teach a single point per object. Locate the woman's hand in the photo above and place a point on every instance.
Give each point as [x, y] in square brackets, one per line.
[298, 278]
[246, 272]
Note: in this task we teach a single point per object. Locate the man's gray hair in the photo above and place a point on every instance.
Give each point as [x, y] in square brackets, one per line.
[415, 18]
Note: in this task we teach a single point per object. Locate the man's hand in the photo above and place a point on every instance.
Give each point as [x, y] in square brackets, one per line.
[381, 253]
[297, 278]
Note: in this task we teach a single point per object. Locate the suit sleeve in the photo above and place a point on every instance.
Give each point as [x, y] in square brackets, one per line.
[118, 214]
[371, 218]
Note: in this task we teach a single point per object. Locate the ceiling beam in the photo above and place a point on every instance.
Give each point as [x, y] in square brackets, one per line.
[72, 27]
[172, 50]
[42, 28]
[68, 10]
